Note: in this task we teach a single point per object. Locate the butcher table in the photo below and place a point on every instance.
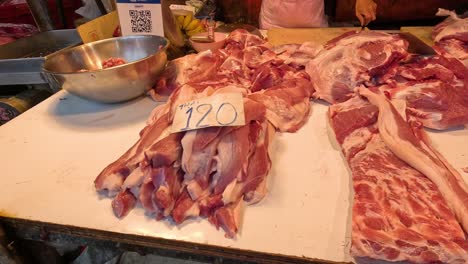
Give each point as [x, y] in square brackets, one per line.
[51, 154]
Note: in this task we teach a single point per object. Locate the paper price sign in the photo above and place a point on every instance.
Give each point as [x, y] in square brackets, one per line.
[217, 110]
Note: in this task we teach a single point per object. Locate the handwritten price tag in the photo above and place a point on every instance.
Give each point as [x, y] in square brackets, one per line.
[217, 110]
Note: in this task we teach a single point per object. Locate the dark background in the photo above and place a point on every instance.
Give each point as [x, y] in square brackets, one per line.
[390, 13]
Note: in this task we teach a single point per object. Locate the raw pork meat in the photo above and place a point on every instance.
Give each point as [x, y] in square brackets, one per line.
[352, 59]
[451, 36]
[298, 54]
[435, 90]
[398, 213]
[277, 81]
[10, 32]
[409, 145]
[211, 172]
[287, 104]
[452, 27]
[112, 62]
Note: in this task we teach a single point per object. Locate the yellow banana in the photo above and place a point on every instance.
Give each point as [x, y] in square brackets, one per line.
[197, 30]
[192, 25]
[188, 18]
[180, 20]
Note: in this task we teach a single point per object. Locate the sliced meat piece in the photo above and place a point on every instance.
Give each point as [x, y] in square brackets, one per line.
[136, 177]
[228, 218]
[184, 208]
[113, 176]
[167, 187]
[199, 150]
[232, 151]
[209, 204]
[200, 147]
[173, 75]
[165, 151]
[193, 69]
[255, 56]
[182, 94]
[123, 203]
[287, 104]
[254, 184]
[206, 64]
[146, 195]
[266, 75]
[254, 111]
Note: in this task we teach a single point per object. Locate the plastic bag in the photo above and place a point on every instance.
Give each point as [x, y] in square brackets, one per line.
[90, 10]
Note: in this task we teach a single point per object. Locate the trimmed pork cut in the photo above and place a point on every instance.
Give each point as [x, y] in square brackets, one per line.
[435, 90]
[401, 140]
[398, 213]
[352, 59]
[451, 36]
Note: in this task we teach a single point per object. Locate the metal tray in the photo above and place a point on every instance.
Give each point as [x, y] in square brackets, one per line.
[21, 61]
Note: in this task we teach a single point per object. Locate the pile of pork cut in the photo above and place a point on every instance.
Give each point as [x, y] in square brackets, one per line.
[409, 204]
[211, 172]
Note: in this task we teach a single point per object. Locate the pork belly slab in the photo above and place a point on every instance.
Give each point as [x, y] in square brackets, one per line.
[398, 213]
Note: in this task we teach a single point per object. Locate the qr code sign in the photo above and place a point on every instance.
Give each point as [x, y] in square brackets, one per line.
[141, 21]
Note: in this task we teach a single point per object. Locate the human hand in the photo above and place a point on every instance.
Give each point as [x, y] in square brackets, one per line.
[366, 11]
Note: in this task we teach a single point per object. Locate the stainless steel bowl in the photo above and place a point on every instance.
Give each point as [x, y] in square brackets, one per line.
[145, 58]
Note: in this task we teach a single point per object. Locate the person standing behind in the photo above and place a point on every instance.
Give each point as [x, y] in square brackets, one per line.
[307, 13]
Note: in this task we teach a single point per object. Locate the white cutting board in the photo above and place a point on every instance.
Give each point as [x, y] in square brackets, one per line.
[51, 154]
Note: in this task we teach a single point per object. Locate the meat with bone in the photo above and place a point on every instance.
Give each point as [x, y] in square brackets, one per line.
[352, 59]
[398, 213]
[451, 36]
[435, 90]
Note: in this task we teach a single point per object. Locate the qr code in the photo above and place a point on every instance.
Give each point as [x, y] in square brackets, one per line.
[141, 21]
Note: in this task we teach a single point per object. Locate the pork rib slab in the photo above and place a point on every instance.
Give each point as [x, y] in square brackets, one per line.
[398, 214]
[399, 137]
